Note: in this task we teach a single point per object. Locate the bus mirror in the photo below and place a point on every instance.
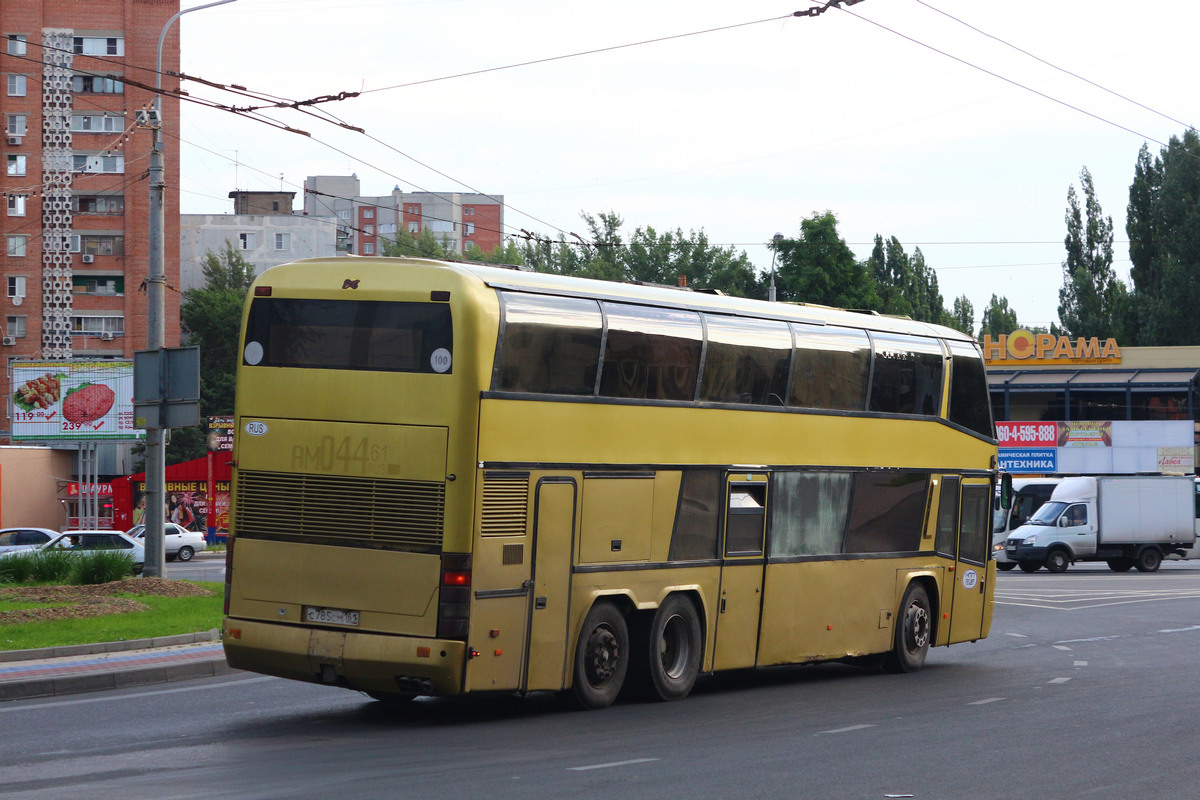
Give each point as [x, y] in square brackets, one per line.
[1006, 490]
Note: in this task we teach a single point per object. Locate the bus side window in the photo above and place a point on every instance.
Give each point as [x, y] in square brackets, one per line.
[809, 512]
[947, 520]
[697, 516]
[906, 375]
[887, 512]
[830, 368]
[747, 512]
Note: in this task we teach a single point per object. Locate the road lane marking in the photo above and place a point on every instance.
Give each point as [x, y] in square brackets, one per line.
[986, 701]
[1060, 680]
[1081, 663]
[850, 728]
[1061, 647]
[124, 697]
[613, 764]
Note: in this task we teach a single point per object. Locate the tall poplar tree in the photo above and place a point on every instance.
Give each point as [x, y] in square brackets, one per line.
[1092, 299]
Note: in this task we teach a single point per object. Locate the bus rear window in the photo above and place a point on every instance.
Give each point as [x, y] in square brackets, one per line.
[349, 334]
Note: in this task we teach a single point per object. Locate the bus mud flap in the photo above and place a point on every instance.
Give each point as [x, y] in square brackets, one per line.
[326, 651]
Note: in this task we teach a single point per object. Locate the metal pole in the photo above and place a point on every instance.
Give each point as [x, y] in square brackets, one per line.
[156, 452]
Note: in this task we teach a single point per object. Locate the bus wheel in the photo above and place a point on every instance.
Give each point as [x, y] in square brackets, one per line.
[601, 657]
[673, 648]
[1148, 560]
[1057, 561]
[914, 628]
[1004, 566]
[1120, 564]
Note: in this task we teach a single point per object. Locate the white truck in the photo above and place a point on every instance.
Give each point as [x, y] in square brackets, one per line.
[1028, 495]
[1132, 521]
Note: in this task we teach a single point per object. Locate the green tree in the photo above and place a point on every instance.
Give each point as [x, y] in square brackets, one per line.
[423, 245]
[211, 318]
[1091, 301]
[1163, 223]
[998, 318]
[818, 267]
[962, 318]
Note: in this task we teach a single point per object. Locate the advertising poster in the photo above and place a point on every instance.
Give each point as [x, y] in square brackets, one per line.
[1085, 434]
[220, 434]
[72, 400]
[187, 504]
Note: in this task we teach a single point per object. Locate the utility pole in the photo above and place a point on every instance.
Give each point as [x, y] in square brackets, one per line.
[156, 451]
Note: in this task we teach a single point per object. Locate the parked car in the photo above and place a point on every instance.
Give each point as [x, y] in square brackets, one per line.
[16, 539]
[84, 542]
[178, 541]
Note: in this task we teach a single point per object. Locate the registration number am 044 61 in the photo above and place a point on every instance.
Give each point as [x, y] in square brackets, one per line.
[334, 616]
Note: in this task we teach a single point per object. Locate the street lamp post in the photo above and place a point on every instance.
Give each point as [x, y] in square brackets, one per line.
[776, 239]
[156, 278]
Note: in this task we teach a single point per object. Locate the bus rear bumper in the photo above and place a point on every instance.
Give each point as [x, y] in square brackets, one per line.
[368, 662]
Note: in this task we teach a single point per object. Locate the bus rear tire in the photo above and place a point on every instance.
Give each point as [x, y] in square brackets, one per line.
[671, 649]
[914, 629]
[601, 657]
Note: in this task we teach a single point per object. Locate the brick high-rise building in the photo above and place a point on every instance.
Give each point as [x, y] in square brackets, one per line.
[75, 225]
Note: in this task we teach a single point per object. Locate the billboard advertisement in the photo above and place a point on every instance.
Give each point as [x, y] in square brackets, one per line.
[72, 400]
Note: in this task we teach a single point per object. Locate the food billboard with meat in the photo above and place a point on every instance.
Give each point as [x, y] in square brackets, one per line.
[72, 400]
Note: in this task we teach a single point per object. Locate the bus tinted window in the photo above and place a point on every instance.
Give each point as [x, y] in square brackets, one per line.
[808, 513]
[830, 369]
[695, 534]
[651, 353]
[349, 334]
[970, 405]
[549, 345]
[907, 375]
[887, 513]
[746, 361]
[976, 535]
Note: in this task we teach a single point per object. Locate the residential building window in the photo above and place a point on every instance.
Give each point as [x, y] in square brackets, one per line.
[16, 285]
[468, 211]
[97, 325]
[16, 44]
[246, 241]
[386, 228]
[97, 123]
[283, 241]
[112, 204]
[99, 46]
[16, 247]
[368, 213]
[368, 230]
[15, 327]
[113, 165]
[16, 85]
[468, 228]
[96, 84]
[112, 286]
[16, 205]
[97, 245]
[16, 125]
[343, 214]
[16, 165]
[368, 249]
[414, 227]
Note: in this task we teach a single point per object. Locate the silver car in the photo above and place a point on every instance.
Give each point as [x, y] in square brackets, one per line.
[85, 542]
[178, 541]
[16, 539]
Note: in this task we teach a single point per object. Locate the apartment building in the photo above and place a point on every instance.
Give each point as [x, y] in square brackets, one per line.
[457, 219]
[76, 149]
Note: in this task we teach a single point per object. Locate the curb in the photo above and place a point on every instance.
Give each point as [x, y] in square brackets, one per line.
[69, 651]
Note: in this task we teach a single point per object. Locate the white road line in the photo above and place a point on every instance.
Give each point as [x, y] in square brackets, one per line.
[1060, 680]
[613, 764]
[850, 728]
[1081, 663]
[986, 701]
[1016, 635]
[1061, 647]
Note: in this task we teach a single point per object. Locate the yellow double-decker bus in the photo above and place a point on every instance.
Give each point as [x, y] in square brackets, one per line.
[453, 479]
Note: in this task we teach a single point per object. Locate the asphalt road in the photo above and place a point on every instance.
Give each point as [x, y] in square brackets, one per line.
[1085, 689]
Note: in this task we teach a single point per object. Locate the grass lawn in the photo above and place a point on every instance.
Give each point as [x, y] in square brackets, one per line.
[164, 616]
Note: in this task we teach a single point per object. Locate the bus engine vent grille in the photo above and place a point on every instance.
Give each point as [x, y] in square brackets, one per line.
[331, 509]
[505, 504]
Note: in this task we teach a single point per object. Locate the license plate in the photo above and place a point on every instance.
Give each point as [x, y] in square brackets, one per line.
[334, 616]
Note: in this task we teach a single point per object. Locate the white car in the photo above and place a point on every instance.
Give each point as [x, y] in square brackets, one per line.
[17, 539]
[178, 541]
[89, 541]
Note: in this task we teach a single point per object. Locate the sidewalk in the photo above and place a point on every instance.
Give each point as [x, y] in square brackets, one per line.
[113, 665]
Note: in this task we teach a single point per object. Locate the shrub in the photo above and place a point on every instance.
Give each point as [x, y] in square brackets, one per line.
[53, 566]
[102, 566]
[17, 568]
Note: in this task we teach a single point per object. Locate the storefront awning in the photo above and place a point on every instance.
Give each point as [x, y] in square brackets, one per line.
[1120, 379]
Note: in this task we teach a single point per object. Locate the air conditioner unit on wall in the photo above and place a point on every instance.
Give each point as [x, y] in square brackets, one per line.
[8, 341]
[88, 258]
[14, 140]
[106, 337]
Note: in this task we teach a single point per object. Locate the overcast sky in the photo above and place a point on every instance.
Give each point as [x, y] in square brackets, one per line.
[898, 118]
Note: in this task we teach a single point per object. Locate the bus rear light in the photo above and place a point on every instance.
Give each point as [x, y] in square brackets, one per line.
[262, 291]
[454, 596]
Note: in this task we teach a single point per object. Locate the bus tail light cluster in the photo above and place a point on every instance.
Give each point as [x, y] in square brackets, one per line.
[454, 596]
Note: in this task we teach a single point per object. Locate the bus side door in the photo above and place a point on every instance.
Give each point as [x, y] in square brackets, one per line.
[971, 562]
[553, 534]
[739, 607]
